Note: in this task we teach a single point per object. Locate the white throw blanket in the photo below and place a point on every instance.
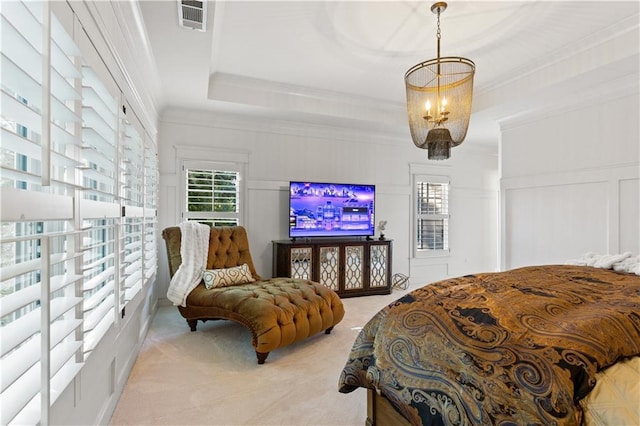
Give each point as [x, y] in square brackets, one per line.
[194, 249]
[624, 262]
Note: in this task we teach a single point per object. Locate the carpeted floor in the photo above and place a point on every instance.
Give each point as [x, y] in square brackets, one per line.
[212, 377]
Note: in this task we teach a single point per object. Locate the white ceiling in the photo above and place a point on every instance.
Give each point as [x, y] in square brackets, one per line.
[343, 62]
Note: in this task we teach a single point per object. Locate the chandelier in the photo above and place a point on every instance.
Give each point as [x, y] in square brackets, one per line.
[439, 93]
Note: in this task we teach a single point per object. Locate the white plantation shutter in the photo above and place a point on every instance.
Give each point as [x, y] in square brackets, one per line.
[41, 348]
[132, 164]
[132, 234]
[100, 212]
[99, 138]
[27, 115]
[78, 191]
[212, 194]
[150, 209]
[38, 311]
[131, 258]
[99, 272]
[431, 213]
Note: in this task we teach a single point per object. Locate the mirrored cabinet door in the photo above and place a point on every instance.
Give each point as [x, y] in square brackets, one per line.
[353, 267]
[378, 269]
[329, 267]
[301, 259]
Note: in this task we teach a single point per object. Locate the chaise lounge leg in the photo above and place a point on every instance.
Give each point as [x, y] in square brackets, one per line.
[262, 356]
[192, 324]
[328, 330]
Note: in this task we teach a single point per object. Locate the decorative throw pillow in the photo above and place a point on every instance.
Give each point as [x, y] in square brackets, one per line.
[228, 276]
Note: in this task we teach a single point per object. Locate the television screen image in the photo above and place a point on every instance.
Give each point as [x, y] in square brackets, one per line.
[318, 209]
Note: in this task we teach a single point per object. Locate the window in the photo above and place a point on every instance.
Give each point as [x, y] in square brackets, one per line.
[431, 215]
[212, 194]
[78, 188]
[41, 319]
[100, 214]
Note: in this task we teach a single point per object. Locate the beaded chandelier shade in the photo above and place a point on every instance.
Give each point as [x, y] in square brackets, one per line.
[439, 94]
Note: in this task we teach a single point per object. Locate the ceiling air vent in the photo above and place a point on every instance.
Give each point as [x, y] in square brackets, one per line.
[192, 14]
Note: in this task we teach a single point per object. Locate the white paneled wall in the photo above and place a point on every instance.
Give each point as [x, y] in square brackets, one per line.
[538, 218]
[629, 215]
[278, 152]
[570, 182]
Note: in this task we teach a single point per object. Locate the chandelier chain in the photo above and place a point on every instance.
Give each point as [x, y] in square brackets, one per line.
[438, 44]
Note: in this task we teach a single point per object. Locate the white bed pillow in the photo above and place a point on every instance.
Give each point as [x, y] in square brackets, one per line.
[214, 278]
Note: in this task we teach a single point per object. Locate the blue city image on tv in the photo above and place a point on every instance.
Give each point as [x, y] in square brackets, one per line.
[319, 209]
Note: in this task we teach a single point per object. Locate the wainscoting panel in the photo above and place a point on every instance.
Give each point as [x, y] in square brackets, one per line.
[551, 218]
[552, 224]
[629, 231]
[422, 273]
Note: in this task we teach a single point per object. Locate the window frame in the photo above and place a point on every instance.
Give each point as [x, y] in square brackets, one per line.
[418, 178]
[226, 166]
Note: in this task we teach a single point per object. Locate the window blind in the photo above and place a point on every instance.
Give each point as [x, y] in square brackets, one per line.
[150, 209]
[132, 193]
[67, 269]
[99, 136]
[99, 272]
[38, 311]
[100, 212]
[39, 279]
[212, 196]
[432, 215]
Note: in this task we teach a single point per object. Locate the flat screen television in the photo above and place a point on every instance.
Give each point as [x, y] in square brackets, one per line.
[327, 209]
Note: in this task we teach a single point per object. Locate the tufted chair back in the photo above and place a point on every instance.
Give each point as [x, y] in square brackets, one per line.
[228, 247]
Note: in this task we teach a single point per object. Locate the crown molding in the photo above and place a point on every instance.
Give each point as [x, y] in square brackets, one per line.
[617, 89]
[600, 45]
[289, 97]
[605, 66]
[304, 127]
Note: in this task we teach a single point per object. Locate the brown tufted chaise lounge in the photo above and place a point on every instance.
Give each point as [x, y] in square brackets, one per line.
[278, 311]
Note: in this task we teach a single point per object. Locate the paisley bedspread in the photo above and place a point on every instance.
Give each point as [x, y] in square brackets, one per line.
[515, 347]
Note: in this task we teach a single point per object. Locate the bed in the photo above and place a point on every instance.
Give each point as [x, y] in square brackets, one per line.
[524, 346]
